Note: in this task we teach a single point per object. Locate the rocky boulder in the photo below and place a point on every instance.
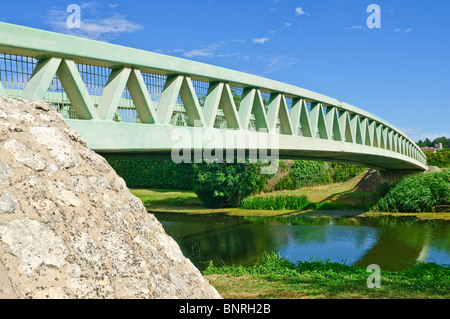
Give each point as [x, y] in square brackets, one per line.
[69, 227]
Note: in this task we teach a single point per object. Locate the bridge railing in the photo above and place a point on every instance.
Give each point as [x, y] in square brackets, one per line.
[91, 80]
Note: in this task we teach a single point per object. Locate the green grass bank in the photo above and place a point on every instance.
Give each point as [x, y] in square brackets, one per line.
[277, 278]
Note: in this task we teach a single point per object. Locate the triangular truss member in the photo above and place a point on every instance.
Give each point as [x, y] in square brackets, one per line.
[112, 93]
[390, 135]
[76, 91]
[395, 142]
[141, 98]
[69, 76]
[220, 94]
[178, 85]
[40, 80]
[355, 124]
[375, 140]
[318, 123]
[367, 135]
[70, 79]
[252, 103]
[385, 135]
[300, 118]
[378, 136]
[333, 124]
[278, 109]
[344, 124]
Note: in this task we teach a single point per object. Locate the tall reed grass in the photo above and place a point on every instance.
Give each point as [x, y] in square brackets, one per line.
[276, 203]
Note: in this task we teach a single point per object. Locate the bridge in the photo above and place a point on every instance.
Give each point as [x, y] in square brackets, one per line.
[127, 102]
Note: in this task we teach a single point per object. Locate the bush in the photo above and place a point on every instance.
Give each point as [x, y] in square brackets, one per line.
[341, 172]
[417, 193]
[162, 174]
[439, 159]
[226, 185]
[311, 173]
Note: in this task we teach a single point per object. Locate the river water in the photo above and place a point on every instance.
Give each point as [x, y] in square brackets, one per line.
[391, 243]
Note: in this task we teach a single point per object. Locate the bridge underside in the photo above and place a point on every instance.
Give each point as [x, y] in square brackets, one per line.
[189, 144]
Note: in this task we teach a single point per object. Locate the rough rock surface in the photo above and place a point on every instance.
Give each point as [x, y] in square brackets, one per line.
[69, 227]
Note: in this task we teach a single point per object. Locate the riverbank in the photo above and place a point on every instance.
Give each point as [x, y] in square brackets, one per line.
[277, 278]
[337, 195]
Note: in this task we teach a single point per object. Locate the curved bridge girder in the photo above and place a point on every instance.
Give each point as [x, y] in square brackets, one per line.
[125, 101]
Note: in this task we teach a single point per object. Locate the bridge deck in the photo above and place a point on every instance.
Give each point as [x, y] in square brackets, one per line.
[125, 101]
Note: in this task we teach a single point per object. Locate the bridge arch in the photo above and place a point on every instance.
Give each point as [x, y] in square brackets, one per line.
[125, 101]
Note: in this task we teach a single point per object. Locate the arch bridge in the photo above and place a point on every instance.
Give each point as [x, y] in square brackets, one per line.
[128, 102]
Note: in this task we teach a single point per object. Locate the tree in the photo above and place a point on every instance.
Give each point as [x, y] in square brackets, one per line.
[225, 185]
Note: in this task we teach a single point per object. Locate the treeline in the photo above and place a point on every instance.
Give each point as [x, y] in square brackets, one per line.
[164, 174]
[445, 142]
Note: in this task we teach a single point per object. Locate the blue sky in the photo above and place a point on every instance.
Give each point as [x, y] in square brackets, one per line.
[399, 72]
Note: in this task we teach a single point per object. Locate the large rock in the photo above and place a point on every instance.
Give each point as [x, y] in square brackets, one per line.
[69, 227]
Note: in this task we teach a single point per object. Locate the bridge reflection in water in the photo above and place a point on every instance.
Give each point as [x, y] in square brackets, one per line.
[392, 244]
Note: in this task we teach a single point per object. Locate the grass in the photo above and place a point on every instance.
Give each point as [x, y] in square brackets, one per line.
[166, 197]
[337, 196]
[275, 277]
[334, 200]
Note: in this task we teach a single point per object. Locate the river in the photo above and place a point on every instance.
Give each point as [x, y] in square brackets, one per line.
[392, 243]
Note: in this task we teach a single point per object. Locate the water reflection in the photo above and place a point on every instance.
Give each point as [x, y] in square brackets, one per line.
[392, 243]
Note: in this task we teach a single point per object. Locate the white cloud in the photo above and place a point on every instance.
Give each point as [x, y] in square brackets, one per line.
[93, 26]
[404, 30]
[204, 51]
[113, 5]
[260, 40]
[299, 11]
[287, 24]
[275, 63]
[355, 27]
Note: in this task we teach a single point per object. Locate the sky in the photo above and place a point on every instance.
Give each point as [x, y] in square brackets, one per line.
[398, 71]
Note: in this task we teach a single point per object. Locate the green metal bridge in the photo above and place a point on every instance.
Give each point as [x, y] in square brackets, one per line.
[128, 102]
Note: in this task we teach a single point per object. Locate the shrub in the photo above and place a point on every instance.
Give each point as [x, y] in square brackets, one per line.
[439, 159]
[162, 174]
[417, 193]
[311, 173]
[226, 185]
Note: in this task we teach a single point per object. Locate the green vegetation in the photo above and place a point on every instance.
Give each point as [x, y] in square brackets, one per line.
[276, 203]
[167, 197]
[445, 142]
[276, 277]
[292, 203]
[311, 173]
[226, 185]
[440, 159]
[418, 193]
[159, 174]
